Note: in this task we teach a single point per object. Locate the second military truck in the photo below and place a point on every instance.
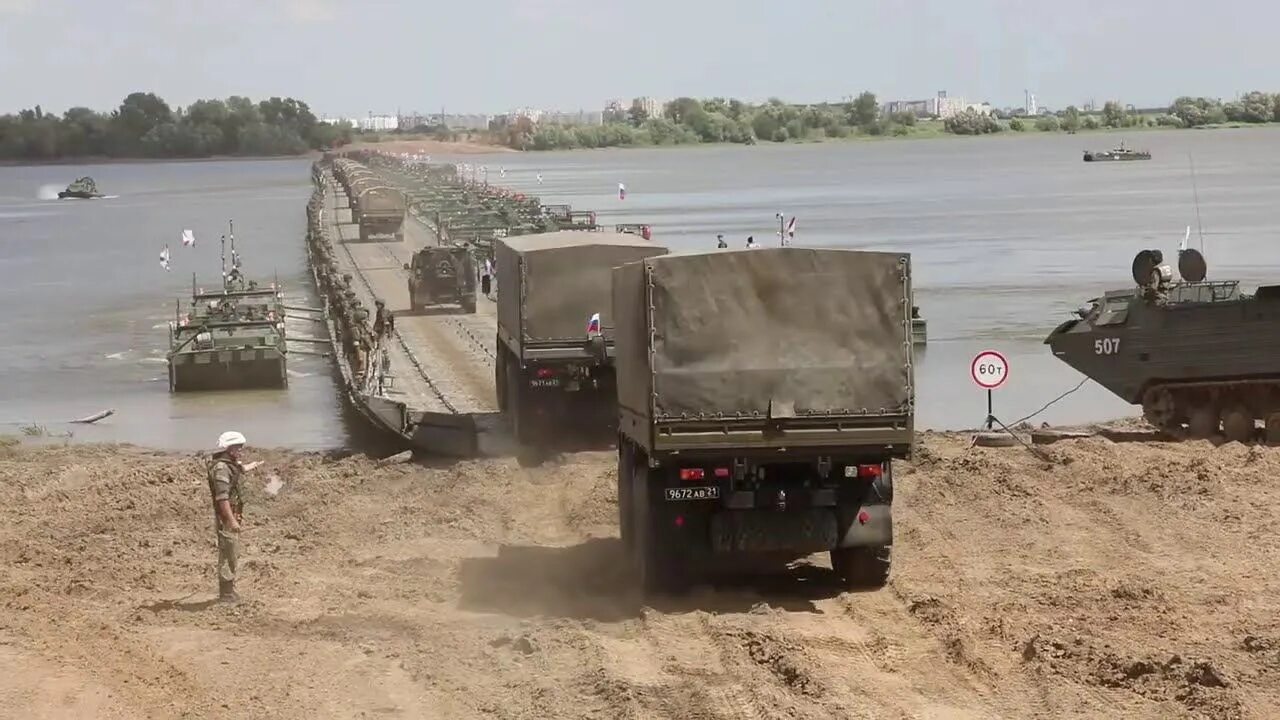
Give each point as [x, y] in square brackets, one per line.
[763, 395]
[554, 369]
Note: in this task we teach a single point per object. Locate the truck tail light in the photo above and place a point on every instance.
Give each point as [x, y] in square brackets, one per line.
[722, 472]
[546, 372]
[692, 473]
[863, 472]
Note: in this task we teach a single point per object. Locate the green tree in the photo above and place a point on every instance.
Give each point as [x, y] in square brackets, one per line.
[1017, 125]
[864, 110]
[1113, 114]
[1071, 118]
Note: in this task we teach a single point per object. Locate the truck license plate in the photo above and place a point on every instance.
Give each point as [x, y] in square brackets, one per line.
[693, 493]
[544, 382]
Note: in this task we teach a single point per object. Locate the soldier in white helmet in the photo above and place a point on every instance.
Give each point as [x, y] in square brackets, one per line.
[225, 474]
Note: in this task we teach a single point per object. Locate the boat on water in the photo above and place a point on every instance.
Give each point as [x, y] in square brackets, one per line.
[1120, 153]
[919, 327]
[82, 189]
[229, 339]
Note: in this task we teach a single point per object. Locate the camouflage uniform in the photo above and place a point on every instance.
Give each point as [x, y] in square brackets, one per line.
[225, 484]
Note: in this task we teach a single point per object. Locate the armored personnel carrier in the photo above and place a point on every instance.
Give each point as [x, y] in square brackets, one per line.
[83, 189]
[1199, 356]
[442, 275]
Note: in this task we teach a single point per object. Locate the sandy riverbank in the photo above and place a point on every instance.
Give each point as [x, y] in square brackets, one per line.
[1105, 580]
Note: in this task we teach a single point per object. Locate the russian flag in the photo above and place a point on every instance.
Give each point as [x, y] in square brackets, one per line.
[622, 191]
[593, 325]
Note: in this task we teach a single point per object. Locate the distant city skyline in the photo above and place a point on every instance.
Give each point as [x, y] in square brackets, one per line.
[347, 59]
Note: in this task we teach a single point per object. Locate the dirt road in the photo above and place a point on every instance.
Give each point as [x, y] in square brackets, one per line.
[1116, 581]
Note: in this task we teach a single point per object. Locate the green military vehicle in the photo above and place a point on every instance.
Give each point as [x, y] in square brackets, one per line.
[1199, 356]
[230, 339]
[762, 397]
[378, 209]
[82, 189]
[554, 370]
[442, 276]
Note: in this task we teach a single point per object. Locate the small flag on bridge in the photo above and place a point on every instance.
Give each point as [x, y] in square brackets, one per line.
[593, 326]
[622, 191]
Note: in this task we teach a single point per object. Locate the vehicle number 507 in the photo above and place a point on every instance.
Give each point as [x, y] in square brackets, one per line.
[1106, 346]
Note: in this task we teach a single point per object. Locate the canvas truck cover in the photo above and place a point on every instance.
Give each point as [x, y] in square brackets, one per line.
[550, 284]
[381, 200]
[795, 332]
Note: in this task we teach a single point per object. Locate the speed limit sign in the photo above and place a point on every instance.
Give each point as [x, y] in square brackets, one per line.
[989, 369]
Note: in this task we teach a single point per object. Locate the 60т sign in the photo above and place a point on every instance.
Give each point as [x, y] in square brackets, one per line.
[989, 369]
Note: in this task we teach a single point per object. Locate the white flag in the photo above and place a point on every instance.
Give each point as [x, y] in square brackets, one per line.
[188, 238]
[164, 258]
[502, 171]
[539, 178]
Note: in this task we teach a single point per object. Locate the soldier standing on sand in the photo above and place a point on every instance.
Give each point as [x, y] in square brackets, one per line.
[225, 474]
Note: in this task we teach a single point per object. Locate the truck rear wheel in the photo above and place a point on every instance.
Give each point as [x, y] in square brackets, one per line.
[515, 403]
[500, 378]
[654, 564]
[625, 464]
[862, 568]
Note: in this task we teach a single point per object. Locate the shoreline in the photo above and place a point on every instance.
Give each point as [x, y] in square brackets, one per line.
[51, 438]
[920, 137]
[432, 147]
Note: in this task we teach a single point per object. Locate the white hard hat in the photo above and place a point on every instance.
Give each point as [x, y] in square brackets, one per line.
[229, 438]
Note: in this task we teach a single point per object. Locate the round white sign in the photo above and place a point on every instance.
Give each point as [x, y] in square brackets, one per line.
[989, 369]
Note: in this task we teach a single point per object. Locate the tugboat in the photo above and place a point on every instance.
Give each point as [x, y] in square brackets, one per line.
[229, 339]
[919, 327]
[83, 189]
[1120, 153]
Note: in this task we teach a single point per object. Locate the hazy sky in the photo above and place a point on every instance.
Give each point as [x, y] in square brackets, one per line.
[353, 56]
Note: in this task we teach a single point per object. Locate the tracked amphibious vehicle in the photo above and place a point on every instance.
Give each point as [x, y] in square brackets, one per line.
[1201, 357]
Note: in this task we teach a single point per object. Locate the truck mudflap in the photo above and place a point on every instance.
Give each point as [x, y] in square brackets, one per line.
[444, 434]
[871, 526]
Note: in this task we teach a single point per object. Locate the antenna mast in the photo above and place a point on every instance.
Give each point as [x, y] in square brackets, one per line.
[1195, 194]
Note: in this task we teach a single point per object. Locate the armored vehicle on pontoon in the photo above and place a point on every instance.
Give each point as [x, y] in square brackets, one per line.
[442, 276]
[229, 339]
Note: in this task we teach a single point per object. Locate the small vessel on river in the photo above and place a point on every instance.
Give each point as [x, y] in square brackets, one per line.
[1120, 153]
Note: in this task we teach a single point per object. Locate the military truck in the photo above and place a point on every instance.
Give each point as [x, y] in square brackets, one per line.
[554, 370]
[1199, 356]
[442, 275]
[762, 397]
[378, 209]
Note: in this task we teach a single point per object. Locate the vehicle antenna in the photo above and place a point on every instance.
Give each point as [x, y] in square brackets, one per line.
[1195, 194]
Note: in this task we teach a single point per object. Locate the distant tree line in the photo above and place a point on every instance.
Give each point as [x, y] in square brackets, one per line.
[145, 126]
[688, 120]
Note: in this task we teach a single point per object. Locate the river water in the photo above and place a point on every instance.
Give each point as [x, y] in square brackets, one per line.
[1007, 236]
